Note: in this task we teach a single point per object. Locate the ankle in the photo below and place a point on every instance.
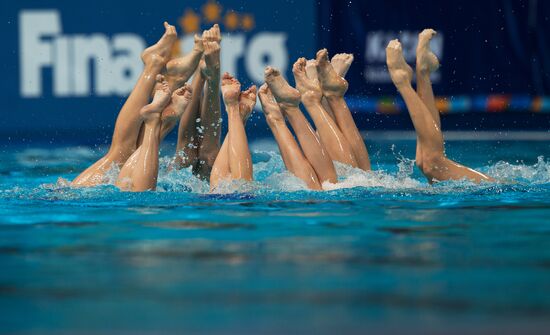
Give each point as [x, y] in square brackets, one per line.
[422, 71]
[403, 86]
[153, 121]
[310, 100]
[273, 121]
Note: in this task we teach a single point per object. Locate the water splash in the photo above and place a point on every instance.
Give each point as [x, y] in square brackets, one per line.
[539, 173]
[270, 175]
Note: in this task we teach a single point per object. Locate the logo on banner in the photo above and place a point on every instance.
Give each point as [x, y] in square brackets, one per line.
[375, 53]
[97, 64]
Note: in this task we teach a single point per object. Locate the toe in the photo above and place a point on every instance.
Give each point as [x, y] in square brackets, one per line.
[263, 89]
[322, 56]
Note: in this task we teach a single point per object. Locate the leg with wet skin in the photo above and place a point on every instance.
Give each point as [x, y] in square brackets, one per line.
[187, 149]
[334, 87]
[436, 167]
[426, 63]
[289, 98]
[341, 64]
[129, 122]
[145, 173]
[169, 116]
[210, 110]
[293, 157]
[311, 74]
[240, 160]
[178, 71]
[311, 144]
[221, 169]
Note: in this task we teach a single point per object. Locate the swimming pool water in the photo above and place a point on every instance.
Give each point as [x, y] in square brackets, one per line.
[382, 250]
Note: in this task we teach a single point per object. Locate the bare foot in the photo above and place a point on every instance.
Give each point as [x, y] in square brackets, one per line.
[400, 72]
[308, 88]
[182, 68]
[213, 34]
[269, 105]
[247, 101]
[231, 89]
[311, 69]
[211, 70]
[180, 99]
[152, 111]
[331, 83]
[163, 48]
[281, 90]
[341, 63]
[426, 60]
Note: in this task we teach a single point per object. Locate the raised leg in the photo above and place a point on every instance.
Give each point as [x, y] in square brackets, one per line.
[169, 116]
[334, 87]
[426, 63]
[221, 169]
[210, 107]
[128, 122]
[310, 142]
[436, 167]
[289, 99]
[341, 63]
[178, 71]
[187, 149]
[144, 175]
[240, 160]
[294, 159]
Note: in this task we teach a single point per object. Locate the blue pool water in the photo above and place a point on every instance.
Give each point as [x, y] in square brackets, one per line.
[382, 250]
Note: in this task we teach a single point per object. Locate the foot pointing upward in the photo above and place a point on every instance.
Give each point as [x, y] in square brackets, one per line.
[282, 91]
[332, 84]
[341, 63]
[163, 47]
[400, 72]
[426, 61]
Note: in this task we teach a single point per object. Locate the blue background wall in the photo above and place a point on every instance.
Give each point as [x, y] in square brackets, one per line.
[495, 58]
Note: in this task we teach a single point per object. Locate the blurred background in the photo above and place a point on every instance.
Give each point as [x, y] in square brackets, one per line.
[68, 65]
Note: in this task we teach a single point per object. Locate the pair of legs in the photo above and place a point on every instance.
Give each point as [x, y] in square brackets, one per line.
[129, 133]
[329, 78]
[128, 123]
[430, 151]
[309, 161]
[234, 161]
[140, 171]
[199, 141]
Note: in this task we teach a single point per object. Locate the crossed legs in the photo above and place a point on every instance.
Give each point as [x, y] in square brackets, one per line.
[433, 162]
